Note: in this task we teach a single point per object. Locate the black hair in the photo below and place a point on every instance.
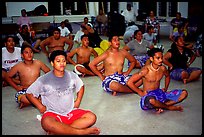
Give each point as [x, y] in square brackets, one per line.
[24, 26]
[152, 51]
[111, 37]
[84, 36]
[136, 31]
[24, 46]
[57, 53]
[149, 28]
[56, 29]
[7, 37]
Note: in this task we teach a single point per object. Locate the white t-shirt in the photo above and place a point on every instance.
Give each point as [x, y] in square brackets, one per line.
[130, 16]
[64, 31]
[10, 59]
[78, 35]
[57, 93]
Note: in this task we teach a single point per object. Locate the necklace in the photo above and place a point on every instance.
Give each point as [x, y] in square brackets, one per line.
[154, 68]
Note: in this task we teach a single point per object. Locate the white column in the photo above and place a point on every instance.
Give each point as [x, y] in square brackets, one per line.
[183, 8]
[61, 8]
[93, 8]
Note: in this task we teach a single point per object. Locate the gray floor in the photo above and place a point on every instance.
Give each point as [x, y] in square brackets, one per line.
[116, 115]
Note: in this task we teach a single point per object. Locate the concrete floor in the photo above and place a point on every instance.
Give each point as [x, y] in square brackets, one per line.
[116, 115]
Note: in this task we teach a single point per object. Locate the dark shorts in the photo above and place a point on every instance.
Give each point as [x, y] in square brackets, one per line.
[159, 95]
[176, 73]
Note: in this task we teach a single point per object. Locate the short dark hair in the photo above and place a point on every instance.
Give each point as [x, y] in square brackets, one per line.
[24, 46]
[7, 37]
[57, 53]
[84, 36]
[152, 51]
[56, 29]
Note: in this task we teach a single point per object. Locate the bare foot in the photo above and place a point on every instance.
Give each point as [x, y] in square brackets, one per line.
[159, 110]
[184, 81]
[21, 105]
[177, 108]
[114, 93]
[92, 131]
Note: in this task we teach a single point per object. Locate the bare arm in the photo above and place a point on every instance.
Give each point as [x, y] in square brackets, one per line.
[70, 56]
[93, 65]
[166, 57]
[132, 61]
[126, 48]
[35, 101]
[43, 45]
[167, 79]
[79, 97]
[44, 67]
[135, 78]
[94, 53]
[70, 43]
[10, 74]
[192, 58]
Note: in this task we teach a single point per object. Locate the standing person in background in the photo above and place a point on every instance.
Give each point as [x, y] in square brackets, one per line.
[61, 92]
[101, 22]
[152, 20]
[177, 59]
[11, 55]
[129, 14]
[24, 20]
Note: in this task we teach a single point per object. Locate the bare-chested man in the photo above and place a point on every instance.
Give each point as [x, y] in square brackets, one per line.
[28, 71]
[55, 42]
[83, 55]
[114, 79]
[152, 96]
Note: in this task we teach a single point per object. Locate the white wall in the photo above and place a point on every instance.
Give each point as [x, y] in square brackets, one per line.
[183, 8]
[14, 8]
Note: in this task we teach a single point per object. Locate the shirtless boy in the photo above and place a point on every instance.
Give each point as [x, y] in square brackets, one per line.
[28, 71]
[55, 42]
[83, 54]
[114, 79]
[59, 105]
[152, 97]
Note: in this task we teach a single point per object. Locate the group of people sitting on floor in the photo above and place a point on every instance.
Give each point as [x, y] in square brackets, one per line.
[52, 93]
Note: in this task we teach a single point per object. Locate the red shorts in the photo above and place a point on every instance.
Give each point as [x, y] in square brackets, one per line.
[71, 117]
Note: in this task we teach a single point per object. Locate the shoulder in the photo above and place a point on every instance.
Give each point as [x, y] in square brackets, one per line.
[144, 70]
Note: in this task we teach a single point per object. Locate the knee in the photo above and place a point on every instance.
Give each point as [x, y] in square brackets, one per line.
[46, 123]
[152, 101]
[184, 75]
[184, 93]
[91, 118]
